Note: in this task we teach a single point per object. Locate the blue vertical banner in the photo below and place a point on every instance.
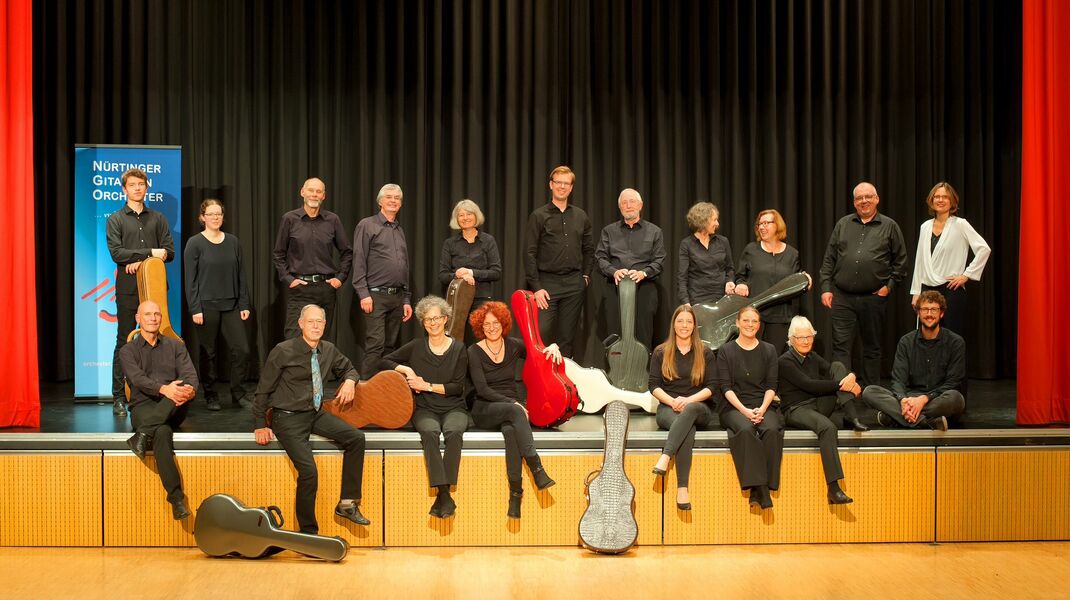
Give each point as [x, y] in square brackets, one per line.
[98, 192]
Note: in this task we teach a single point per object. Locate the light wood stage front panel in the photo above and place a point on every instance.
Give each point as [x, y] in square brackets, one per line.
[893, 495]
[136, 512]
[549, 518]
[50, 499]
[1003, 494]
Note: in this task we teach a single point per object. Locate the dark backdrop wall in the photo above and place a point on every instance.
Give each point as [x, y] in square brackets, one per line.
[747, 104]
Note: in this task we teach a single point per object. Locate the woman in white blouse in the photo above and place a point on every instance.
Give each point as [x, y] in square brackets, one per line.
[943, 247]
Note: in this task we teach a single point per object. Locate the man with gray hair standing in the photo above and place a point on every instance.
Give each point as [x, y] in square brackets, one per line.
[381, 277]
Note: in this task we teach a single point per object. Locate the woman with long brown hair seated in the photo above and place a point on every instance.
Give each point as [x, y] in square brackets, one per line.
[747, 377]
[682, 378]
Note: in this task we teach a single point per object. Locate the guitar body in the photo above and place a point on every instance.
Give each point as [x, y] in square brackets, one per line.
[717, 321]
[152, 285]
[627, 357]
[552, 397]
[596, 391]
[459, 296]
[608, 525]
[384, 400]
[226, 527]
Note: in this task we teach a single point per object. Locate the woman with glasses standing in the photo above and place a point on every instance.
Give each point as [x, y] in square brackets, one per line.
[763, 264]
[218, 299]
[436, 368]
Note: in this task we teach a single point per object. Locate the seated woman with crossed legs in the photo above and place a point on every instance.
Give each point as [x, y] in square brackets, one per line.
[682, 378]
[492, 364]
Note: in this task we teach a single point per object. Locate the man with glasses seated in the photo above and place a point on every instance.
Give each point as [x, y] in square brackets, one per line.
[928, 373]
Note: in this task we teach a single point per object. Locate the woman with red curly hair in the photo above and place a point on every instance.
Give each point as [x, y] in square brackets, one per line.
[492, 365]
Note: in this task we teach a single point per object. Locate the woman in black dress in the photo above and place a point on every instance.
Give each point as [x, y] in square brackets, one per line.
[471, 255]
[704, 271]
[492, 363]
[763, 264]
[219, 302]
[682, 378]
[747, 376]
[436, 368]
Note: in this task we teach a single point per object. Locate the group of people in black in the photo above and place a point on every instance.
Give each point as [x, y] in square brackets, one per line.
[753, 384]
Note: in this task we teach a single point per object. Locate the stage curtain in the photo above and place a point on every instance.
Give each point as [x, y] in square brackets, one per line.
[20, 404]
[751, 104]
[1043, 318]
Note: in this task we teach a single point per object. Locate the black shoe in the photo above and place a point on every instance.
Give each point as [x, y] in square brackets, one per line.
[542, 480]
[448, 507]
[138, 443]
[515, 499]
[443, 507]
[118, 408]
[755, 497]
[658, 471]
[885, 421]
[179, 510]
[836, 496]
[213, 404]
[243, 402]
[351, 512]
[764, 499]
[683, 505]
[937, 423]
[859, 426]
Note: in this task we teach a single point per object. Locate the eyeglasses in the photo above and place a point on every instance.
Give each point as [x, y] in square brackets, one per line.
[213, 214]
[432, 320]
[929, 309]
[802, 338]
[766, 223]
[562, 183]
[865, 197]
[491, 324]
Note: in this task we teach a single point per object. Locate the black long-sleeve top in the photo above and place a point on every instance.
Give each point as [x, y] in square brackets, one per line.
[862, 257]
[800, 378]
[557, 242]
[929, 367]
[305, 246]
[639, 247]
[496, 382]
[702, 271]
[761, 270]
[450, 370]
[748, 373]
[286, 379]
[131, 238]
[481, 255]
[215, 276]
[682, 386]
[380, 256]
[149, 367]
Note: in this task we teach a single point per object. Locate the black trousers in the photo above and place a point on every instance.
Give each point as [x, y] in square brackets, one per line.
[321, 294]
[864, 313]
[293, 431]
[957, 307]
[159, 420]
[125, 310]
[233, 328]
[948, 404]
[382, 329]
[681, 439]
[516, 429]
[646, 306]
[776, 334]
[441, 468]
[813, 414]
[756, 449]
[559, 322]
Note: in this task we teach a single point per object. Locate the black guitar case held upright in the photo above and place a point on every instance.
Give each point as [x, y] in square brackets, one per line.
[608, 525]
[226, 527]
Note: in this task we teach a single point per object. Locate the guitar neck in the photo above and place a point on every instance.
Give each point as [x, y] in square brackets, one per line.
[310, 545]
[626, 293]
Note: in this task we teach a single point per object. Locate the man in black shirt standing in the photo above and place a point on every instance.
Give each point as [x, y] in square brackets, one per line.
[929, 369]
[291, 385]
[162, 382]
[635, 249]
[558, 258]
[134, 232]
[864, 262]
[381, 277]
[304, 255]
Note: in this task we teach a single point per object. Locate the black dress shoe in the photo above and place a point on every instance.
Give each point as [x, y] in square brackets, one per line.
[443, 507]
[658, 471]
[937, 423]
[859, 426]
[542, 480]
[243, 402]
[351, 512]
[448, 507]
[138, 443]
[755, 497]
[764, 499]
[837, 496]
[683, 505]
[118, 408]
[515, 500]
[213, 404]
[179, 510]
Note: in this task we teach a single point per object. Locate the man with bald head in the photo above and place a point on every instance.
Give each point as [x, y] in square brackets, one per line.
[635, 249]
[304, 256]
[864, 262]
[162, 382]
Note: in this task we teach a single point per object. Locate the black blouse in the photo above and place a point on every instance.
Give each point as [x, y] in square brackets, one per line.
[481, 256]
[702, 271]
[761, 270]
[496, 382]
[748, 373]
[450, 370]
[682, 386]
[215, 278]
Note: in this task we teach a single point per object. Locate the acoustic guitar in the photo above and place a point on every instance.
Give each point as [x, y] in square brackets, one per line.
[596, 391]
[384, 400]
[628, 358]
[717, 321]
[608, 525]
[459, 296]
[552, 397]
[226, 527]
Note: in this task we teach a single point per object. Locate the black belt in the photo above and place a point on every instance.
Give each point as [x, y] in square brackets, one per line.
[313, 278]
[388, 290]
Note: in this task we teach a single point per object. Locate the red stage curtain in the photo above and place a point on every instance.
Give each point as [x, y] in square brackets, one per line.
[20, 404]
[1044, 273]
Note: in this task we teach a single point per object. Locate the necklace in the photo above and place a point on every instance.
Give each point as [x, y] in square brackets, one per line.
[494, 354]
[441, 347]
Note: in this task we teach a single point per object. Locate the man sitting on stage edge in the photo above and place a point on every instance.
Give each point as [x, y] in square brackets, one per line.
[291, 384]
[162, 382]
[929, 369]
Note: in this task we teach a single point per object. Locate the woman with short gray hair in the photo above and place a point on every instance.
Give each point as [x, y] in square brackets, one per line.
[704, 269]
[470, 254]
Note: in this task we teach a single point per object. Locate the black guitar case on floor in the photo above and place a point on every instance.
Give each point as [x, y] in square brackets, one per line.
[226, 527]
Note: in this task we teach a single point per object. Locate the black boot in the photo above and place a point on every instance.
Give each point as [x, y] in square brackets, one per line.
[542, 480]
[836, 495]
[516, 495]
[444, 506]
[764, 499]
[850, 417]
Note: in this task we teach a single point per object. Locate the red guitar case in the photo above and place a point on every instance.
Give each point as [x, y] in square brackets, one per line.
[552, 397]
